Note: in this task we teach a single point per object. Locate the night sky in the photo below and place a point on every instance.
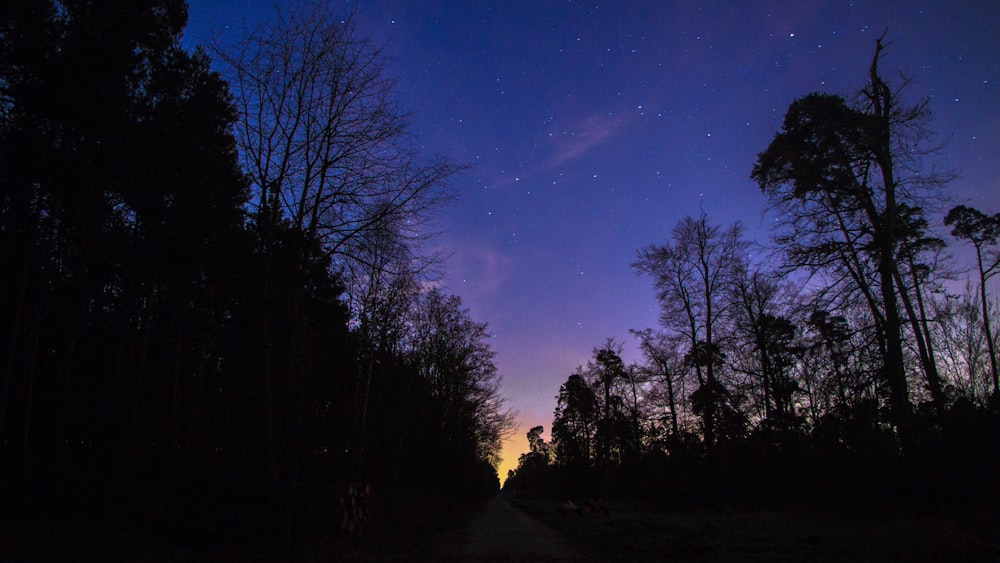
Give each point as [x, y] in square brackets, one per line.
[593, 127]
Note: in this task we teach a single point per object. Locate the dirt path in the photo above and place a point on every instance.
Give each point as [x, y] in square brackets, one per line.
[504, 533]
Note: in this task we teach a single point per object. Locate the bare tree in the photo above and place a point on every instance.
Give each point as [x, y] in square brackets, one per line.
[321, 138]
[665, 367]
[334, 180]
[962, 341]
[761, 314]
[982, 231]
[834, 172]
[453, 355]
[384, 290]
[691, 275]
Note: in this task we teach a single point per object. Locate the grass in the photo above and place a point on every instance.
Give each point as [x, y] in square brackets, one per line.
[636, 533]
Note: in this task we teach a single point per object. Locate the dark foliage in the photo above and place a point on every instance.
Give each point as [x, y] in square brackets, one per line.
[178, 376]
[847, 465]
[870, 390]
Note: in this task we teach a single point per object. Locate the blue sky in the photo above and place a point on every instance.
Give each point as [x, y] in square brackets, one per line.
[593, 127]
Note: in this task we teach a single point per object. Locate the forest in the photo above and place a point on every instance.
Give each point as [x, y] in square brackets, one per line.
[222, 334]
[849, 365]
[220, 331]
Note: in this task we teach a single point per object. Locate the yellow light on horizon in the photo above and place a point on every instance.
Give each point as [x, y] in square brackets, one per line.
[513, 447]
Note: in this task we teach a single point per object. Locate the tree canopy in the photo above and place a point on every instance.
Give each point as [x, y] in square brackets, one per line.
[211, 288]
[839, 368]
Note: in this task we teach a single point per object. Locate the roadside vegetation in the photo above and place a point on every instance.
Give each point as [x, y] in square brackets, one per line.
[640, 532]
[832, 395]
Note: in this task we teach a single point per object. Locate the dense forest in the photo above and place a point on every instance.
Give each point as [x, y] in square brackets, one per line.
[218, 331]
[221, 333]
[841, 367]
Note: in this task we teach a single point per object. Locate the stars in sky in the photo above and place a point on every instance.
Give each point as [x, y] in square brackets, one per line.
[594, 127]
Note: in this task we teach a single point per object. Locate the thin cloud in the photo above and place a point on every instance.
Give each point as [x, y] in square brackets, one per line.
[572, 145]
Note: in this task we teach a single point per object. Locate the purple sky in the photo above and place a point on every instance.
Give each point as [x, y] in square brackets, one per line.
[593, 127]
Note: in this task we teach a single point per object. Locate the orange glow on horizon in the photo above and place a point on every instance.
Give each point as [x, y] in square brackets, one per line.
[517, 444]
[513, 447]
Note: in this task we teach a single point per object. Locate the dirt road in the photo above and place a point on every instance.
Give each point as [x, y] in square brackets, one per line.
[504, 533]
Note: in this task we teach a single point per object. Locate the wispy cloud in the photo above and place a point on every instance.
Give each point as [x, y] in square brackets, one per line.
[569, 143]
[574, 143]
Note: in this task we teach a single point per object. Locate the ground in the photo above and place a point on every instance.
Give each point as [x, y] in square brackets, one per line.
[504, 533]
[635, 532]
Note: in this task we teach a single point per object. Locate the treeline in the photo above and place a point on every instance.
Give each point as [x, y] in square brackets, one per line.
[844, 369]
[215, 317]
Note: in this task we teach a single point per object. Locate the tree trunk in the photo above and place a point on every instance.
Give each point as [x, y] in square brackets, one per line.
[13, 330]
[924, 345]
[29, 394]
[990, 345]
[673, 405]
[886, 238]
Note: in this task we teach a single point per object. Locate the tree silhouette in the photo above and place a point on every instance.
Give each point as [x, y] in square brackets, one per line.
[574, 423]
[963, 343]
[773, 339]
[120, 188]
[692, 275]
[327, 153]
[452, 354]
[982, 231]
[802, 374]
[176, 335]
[665, 366]
[833, 171]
